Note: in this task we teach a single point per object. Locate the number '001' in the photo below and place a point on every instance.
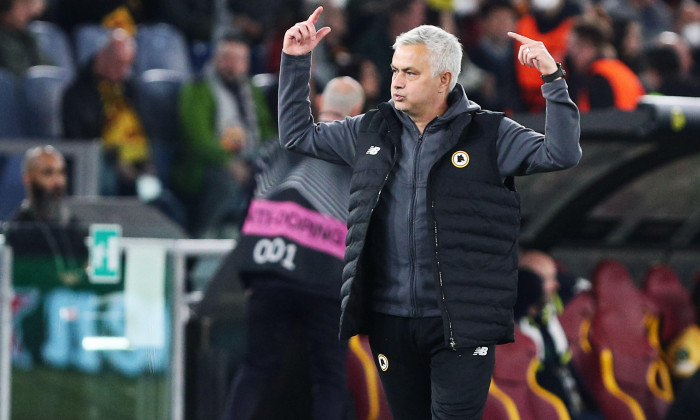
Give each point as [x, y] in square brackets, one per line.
[275, 251]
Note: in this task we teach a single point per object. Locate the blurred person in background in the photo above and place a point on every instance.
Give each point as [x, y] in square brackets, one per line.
[223, 121]
[541, 323]
[494, 54]
[628, 43]
[655, 16]
[598, 81]
[45, 181]
[49, 256]
[364, 71]
[18, 47]
[300, 209]
[100, 104]
[549, 21]
[664, 75]
[43, 224]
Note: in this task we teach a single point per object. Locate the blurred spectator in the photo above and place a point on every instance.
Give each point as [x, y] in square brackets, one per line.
[654, 15]
[664, 75]
[18, 47]
[549, 21]
[596, 81]
[570, 285]
[540, 322]
[100, 104]
[364, 71]
[43, 224]
[688, 23]
[628, 43]
[494, 54]
[223, 119]
[530, 295]
[376, 43]
[44, 179]
[301, 286]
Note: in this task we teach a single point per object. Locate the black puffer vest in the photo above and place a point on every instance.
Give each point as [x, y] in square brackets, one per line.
[476, 221]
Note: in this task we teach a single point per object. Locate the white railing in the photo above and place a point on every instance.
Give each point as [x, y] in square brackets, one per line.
[179, 250]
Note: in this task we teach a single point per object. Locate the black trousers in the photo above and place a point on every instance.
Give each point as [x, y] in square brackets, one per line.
[275, 311]
[423, 378]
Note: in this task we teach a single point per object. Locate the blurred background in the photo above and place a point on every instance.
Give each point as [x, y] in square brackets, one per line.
[161, 109]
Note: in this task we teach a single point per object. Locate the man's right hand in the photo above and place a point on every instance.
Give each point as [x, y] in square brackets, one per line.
[303, 37]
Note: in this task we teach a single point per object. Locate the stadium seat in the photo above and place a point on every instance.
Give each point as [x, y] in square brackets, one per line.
[157, 98]
[631, 382]
[44, 87]
[12, 107]
[162, 46]
[88, 38]
[13, 127]
[11, 188]
[54, 43]
[364, 383]
[514, 392]
[662, 285]
[576, 322]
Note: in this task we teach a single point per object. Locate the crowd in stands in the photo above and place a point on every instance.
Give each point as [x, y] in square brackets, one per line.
[186, 134]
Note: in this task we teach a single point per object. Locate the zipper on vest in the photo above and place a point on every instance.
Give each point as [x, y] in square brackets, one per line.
[381, 187]
[412, 228]
[453, 344]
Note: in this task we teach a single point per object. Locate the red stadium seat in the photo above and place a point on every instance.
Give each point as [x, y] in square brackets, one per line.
[514, 392]
[664, 288]
[364, 382]
[631, 381]
[576, 322]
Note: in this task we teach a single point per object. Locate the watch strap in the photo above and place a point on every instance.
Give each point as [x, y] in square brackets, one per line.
[560, 72]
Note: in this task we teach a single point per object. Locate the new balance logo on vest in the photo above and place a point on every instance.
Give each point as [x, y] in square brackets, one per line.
[480, 351]
[373, 150]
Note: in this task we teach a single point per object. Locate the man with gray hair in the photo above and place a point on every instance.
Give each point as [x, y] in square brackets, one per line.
[431, 258]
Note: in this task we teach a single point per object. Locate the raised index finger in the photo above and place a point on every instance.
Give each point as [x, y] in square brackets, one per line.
[314, 16]
[518, 37]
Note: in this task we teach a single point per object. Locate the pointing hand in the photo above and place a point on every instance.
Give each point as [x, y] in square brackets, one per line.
[303, 37]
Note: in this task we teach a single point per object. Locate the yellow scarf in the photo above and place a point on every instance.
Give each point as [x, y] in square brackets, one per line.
[122, 129]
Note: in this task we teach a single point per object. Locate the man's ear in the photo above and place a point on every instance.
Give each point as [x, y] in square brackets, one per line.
[445, 80]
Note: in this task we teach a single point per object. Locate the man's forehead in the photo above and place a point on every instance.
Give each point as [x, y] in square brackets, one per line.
[410, 55]
[45, 160]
